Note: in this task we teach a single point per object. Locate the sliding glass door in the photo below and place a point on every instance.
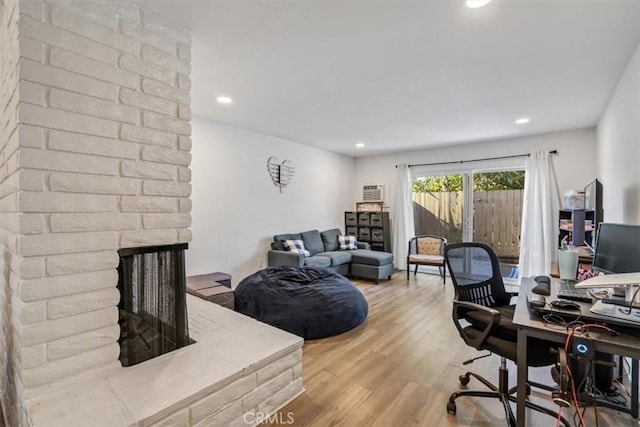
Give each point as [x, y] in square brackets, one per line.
[497, 212]
[438, 202]
[480, 206]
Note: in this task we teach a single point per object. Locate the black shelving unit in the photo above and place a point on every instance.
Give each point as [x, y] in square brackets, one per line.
[370, 227]
[579, 228]
[580, 225]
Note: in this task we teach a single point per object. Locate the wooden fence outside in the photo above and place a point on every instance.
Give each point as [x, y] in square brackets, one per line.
[497, 216]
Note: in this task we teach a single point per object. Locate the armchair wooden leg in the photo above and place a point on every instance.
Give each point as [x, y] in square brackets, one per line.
[416, 270]
[408, 268]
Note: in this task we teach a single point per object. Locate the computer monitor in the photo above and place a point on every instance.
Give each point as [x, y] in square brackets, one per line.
[617, 248]
[617, 254]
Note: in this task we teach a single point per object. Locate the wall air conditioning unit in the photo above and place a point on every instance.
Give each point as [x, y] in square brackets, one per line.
[373, 193]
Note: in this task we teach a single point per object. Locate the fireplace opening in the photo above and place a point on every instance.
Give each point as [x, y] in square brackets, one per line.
[153, 302]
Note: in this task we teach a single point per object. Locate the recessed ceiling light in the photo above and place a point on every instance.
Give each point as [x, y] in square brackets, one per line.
[360, 145]
[474, 4]
[523, 120]
[224, 100]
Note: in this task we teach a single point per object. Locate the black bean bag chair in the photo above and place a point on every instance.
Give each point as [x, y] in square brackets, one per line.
[309, 302]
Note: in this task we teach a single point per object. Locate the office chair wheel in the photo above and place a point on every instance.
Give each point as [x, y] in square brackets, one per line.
[451, 408]
[464, 379]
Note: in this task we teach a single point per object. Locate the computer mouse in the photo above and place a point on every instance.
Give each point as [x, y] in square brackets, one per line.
[537, 301]
[564, 304]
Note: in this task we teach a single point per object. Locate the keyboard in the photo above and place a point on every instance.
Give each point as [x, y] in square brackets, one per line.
[567, 290]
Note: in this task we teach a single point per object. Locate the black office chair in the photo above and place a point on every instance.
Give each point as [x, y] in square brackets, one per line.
[483, 304]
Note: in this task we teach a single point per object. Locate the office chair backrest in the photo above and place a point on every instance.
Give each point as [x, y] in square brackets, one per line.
[476, 275]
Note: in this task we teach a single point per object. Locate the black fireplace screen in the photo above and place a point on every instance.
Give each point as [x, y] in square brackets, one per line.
[153, 307]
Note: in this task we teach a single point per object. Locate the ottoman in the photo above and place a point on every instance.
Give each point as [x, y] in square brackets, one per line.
[373, 265]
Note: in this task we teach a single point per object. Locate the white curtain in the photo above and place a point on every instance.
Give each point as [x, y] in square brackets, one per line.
[403, 229]
[539, 235]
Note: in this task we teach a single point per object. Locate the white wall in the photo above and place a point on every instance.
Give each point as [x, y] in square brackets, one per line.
[574, 163]
[618, 148]
[236, 207]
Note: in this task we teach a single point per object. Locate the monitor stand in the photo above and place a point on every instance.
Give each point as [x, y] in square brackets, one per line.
[624, 295]
[619, 292]
[632, 295]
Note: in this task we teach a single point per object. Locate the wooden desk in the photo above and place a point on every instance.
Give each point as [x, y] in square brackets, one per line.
[530, 325]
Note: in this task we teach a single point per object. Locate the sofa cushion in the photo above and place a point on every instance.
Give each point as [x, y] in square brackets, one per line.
[296, 246]
[337, 257]
[365, 256]
[330, 239]
[312, 241]
[278, 240]
[317, 261]
[348, 243]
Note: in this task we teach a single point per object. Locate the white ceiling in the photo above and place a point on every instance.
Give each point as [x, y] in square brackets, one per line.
[402, 75]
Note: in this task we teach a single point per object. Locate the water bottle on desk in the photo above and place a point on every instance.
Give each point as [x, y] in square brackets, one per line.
[567, 261]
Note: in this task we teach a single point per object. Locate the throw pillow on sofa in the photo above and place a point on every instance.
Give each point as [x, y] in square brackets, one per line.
[296, 246]
[348, 242]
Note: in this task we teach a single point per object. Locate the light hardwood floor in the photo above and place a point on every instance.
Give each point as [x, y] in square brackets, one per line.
[399, 367]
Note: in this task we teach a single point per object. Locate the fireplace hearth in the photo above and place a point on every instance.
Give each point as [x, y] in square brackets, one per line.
[152, 309]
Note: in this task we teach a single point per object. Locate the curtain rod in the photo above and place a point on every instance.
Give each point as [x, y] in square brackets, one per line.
[477, 160]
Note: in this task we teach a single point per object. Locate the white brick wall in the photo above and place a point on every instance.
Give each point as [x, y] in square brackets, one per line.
[232, 393]
[92, 68]
[79, 143]
[266, 377]
[238, 403]
[12, 357]
[81, 262]
[61, 78]
[53, 370]
[96, 113]
[146, 136]
[94, 156]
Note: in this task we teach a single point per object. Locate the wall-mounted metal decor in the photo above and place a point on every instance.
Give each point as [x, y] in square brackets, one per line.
[281, 172]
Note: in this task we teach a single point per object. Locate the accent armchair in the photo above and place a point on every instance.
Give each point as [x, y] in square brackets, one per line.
[427, 250]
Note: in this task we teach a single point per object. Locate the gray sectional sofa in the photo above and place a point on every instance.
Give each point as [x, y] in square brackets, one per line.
[325, 253]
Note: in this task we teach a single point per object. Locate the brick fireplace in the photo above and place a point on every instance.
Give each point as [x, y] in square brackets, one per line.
[94, 154]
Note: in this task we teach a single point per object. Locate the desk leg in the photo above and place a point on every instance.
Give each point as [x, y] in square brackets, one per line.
[523, 375]
[635, 378]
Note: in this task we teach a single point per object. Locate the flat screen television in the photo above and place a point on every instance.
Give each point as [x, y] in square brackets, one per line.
[617, 248]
